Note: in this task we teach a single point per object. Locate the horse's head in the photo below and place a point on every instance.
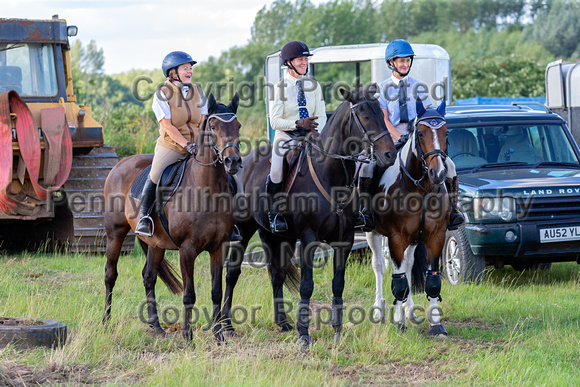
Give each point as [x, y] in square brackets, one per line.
[223, 129]
[431, 141]
[368, 124]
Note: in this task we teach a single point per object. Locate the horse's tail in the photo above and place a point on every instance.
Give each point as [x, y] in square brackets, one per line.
[292, 281]
[419, 268]
[166, 272]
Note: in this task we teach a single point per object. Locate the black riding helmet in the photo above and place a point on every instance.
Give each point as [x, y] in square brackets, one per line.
[294, 49]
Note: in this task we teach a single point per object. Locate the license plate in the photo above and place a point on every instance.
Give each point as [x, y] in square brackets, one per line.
[560, 234]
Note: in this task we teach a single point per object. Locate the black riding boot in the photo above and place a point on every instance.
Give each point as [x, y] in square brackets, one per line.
[455, 217]
[145, 225]
[235, 237]
[277, 221]
[366, 219]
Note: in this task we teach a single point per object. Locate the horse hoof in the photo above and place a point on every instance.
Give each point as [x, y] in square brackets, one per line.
[187, 335]
[286, 327]
[304, 342]
[402, 327]
[337, 337]
[379, 316]
[438, 331]
[159, 332]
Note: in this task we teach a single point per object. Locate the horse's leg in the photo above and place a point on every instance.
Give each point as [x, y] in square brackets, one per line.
[375, 243]
[341, 252]
[308, 246]
[217, 259]
[187, 255]
[115, 237]
[399, 283]
[150, 270]
[280, 252]
[233, 271]
[433, 289]
[409, 305]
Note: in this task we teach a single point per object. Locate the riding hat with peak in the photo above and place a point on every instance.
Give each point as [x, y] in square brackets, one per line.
[175, 59]
[398, 49]
[294, 49]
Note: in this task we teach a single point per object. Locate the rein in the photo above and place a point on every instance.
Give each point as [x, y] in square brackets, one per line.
[353, 158]
[223, 117]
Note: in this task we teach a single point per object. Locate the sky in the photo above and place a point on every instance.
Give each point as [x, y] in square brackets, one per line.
[137, 34]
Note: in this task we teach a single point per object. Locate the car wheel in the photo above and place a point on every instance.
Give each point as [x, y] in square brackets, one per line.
[459, 264]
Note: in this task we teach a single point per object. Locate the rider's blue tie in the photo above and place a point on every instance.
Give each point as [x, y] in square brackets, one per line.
[301, 100]
[403, 102]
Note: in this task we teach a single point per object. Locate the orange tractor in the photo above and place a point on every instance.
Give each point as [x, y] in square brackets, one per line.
[53, 162]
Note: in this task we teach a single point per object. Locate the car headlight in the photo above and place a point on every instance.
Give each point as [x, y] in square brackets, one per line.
[492, 208]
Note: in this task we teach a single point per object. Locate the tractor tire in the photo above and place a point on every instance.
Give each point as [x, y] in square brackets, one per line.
[458, 261]
[49, 334]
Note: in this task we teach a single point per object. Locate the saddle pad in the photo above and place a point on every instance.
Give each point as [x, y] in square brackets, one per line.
[168, 182]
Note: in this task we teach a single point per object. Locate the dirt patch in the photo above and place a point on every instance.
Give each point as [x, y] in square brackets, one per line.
[20, 375]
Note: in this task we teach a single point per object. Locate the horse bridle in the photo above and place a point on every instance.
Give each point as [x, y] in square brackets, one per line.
[223, 117]
[423, 156]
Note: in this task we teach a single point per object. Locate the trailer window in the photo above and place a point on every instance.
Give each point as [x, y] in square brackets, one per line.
[29, 69]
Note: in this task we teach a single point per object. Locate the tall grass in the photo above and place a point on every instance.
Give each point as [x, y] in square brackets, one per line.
[515, 329]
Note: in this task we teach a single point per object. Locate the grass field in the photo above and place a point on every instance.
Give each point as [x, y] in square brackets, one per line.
[515, 329]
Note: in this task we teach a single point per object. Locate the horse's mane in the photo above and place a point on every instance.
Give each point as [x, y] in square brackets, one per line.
[357, 95]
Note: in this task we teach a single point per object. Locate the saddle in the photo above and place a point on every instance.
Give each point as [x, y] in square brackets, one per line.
[292, 167]
[169, 182]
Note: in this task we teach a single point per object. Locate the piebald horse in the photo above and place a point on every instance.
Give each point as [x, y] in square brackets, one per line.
[413, 213]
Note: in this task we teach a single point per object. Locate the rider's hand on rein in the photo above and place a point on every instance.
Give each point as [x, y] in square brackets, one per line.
[307, 123]
[191, 148]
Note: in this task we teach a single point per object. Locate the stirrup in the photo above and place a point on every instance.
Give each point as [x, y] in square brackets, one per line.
[455, 221]
[364, 224]
[276, 224]
[143, 233]
[236, 236]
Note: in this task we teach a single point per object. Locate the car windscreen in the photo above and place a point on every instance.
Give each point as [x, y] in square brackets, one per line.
[472, 146]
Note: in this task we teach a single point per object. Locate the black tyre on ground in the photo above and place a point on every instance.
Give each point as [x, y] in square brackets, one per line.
[458, 262]
[46, 333]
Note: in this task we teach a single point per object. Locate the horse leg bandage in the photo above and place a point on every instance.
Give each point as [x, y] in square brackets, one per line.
[400, 287]
[433, 284]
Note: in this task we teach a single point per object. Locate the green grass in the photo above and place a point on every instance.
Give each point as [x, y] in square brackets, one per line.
[515, 329]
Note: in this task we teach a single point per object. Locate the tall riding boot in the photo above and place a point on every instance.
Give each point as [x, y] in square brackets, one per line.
[232, 183]
[277, 221]
[455, 217]
[145, 225]
[366, 219]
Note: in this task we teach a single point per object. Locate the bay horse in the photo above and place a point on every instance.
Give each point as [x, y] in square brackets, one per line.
[413, 214]
[357, 127]
[192, 229]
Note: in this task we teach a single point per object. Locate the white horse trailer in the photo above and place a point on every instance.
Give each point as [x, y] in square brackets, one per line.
[431, 66]
[563, 93]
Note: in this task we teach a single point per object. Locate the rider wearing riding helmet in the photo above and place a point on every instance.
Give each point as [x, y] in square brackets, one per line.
[297, 110]
[397, 98]
[180, 108]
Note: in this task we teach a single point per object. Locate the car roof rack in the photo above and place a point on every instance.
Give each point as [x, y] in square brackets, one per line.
[546, 109]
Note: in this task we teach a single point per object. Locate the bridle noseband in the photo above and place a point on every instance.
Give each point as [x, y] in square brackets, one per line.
[223, 117]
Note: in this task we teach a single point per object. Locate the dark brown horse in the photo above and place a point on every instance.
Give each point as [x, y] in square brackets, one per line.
[320, 206]
[413, 214]
[192, 227]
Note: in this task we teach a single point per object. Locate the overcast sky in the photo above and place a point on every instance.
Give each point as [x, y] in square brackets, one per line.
[139, 33]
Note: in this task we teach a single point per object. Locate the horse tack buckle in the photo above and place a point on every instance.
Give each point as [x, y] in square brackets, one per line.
[339, 210]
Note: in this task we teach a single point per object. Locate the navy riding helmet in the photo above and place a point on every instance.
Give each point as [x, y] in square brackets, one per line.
[294, 49]
[175, 59]
[398, 49]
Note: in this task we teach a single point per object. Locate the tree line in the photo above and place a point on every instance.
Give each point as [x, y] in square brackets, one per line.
[497, 48]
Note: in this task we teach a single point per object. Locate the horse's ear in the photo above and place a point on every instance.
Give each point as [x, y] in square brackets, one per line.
[441, 108]
[211, 104]
[234, 103]
[420, 108]
[345, 94]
